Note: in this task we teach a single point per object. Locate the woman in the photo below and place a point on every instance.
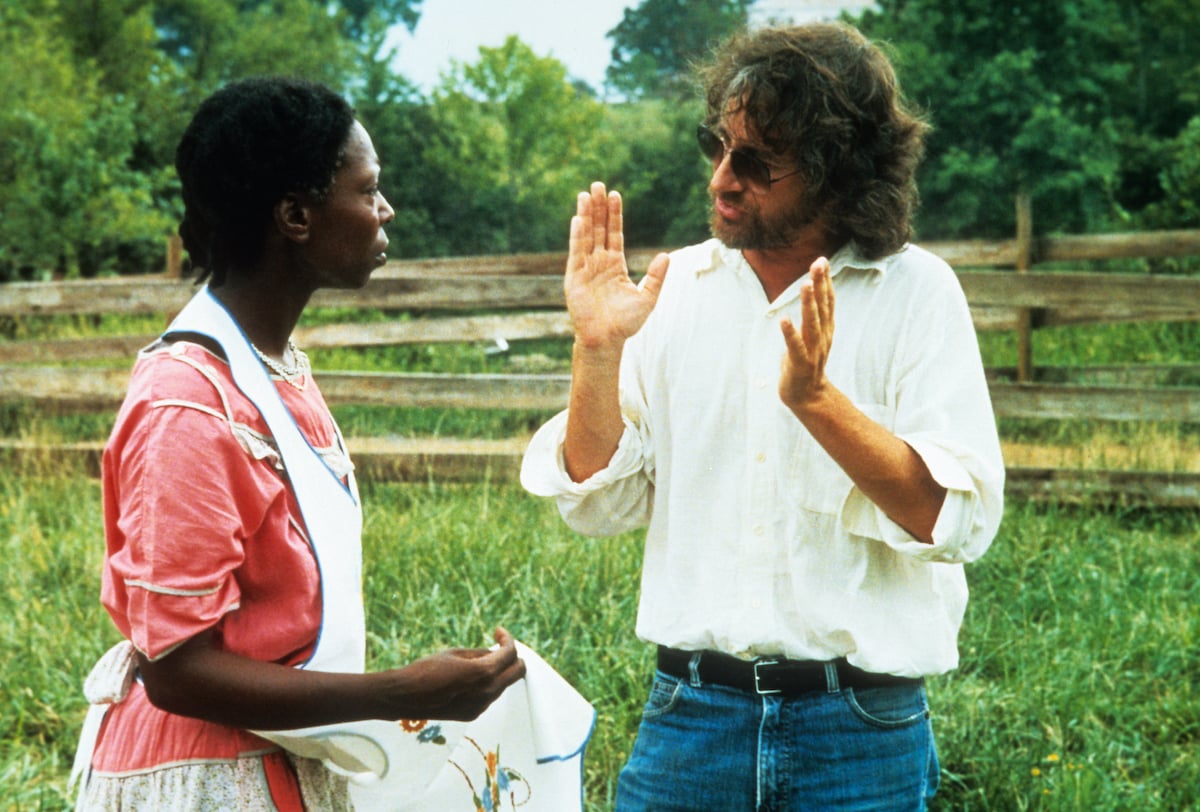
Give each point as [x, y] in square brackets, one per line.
[231, 515]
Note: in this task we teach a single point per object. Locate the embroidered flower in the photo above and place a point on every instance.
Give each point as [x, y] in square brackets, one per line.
[431, 735]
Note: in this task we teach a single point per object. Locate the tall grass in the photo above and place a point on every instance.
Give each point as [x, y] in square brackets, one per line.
[1077, 688]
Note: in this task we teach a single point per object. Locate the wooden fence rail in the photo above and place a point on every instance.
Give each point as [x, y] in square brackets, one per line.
[486, 299]
[73, 389]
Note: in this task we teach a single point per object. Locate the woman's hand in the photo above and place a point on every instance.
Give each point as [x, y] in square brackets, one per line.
[204, 682]
[457, 684]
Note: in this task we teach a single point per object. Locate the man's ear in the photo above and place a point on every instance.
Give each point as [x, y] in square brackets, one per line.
[292, 218]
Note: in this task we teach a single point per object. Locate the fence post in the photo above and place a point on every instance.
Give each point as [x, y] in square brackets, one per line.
[174, 267]
[1024, 261]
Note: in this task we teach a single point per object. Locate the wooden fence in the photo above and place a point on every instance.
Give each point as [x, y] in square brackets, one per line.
[523, 297]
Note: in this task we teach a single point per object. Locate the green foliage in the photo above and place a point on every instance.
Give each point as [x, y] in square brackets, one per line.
[1090, 105]
[214, 41]
[1180, 181]
[655, 164]
[513, 141]
[66, 161]
[656, 42]
[1077, 685]
[1070, 101]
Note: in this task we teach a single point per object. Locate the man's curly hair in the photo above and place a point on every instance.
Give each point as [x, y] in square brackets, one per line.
[826, 97]
[249, 145]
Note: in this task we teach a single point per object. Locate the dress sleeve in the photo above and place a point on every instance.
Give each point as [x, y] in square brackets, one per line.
[180, 503]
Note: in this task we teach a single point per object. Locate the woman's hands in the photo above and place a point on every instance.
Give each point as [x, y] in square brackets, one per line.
[201, 681]
[457, 684]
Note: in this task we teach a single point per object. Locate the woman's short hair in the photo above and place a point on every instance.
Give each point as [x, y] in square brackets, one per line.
[249, 145]
[826, 97]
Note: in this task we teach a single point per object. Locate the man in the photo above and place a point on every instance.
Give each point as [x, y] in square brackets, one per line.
[811, 493]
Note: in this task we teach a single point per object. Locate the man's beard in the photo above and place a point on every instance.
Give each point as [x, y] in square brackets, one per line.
[756, 232]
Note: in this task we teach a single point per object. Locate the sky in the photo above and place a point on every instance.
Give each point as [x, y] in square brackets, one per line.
[572, 31]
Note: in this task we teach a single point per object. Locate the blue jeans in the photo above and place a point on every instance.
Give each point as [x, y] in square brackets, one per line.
[704, 747]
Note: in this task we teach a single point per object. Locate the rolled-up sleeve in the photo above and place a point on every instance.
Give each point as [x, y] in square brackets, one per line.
[966, 524]
[940, 407]
[614, 499]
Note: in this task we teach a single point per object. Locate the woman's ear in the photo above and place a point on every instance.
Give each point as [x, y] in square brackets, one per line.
[292, 218]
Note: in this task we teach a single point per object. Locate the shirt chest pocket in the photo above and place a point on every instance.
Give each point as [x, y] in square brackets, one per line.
[814, 481]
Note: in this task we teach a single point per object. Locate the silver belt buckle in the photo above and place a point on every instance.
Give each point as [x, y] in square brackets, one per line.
[758, 685]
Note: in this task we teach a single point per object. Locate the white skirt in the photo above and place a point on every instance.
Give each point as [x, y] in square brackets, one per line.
[237, 785]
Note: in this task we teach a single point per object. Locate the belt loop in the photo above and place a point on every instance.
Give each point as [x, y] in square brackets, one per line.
[832, 684]
[694, 669]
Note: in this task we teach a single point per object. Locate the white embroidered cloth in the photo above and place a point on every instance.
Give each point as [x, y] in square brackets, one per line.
[525, 752]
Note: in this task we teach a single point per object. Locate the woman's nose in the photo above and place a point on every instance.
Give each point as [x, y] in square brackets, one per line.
[386, 213]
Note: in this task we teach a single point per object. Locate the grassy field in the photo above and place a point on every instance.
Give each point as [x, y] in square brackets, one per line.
[1080, 653]
[1078, 688]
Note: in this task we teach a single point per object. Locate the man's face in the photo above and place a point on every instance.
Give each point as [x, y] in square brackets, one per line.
[756, 216]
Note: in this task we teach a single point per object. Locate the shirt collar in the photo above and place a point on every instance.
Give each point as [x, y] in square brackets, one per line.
[718, 254]
[848, 256]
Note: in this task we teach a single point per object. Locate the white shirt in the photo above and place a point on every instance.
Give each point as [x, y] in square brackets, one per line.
[758, 543]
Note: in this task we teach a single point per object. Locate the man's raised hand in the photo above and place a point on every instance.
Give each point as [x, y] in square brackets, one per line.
[605, 305]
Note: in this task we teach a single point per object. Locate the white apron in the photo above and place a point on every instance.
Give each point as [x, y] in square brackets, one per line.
[525, 751]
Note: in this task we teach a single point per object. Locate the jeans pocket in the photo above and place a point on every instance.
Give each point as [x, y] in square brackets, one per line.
[663, 696]
[889, 707]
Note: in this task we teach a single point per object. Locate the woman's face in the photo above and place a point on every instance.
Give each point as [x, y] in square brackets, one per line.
[346, 229]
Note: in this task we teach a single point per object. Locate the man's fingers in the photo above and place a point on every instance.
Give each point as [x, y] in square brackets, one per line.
[583, 213]
[652, 282]
[575, 249]
[616, 224]
[792, 338]
[599, 208]
[823, 292]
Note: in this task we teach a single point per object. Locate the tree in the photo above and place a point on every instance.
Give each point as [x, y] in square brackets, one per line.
[657, 167]
[402, 125]
[655, 43]
[68, 198]
[97, 92]
[1053, 98]
[512, 143]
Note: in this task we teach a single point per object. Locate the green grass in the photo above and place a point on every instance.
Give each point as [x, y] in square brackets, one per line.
[1135, 343]
[1077, 688]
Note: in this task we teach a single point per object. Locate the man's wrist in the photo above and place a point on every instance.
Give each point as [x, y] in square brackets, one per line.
[817, 401]
[598, 350]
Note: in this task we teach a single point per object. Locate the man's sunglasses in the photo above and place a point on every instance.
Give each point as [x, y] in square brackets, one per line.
[748, 168]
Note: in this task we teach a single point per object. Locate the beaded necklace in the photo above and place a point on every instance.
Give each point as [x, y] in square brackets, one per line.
[293, 374]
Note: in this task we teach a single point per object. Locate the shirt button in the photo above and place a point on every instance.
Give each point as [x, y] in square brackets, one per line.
[761, 457]
[756, 603]
[759, 530]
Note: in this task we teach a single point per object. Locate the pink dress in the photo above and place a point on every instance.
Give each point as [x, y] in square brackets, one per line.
[203, 533]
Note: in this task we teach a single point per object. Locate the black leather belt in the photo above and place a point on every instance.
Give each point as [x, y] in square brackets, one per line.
[769, 675]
